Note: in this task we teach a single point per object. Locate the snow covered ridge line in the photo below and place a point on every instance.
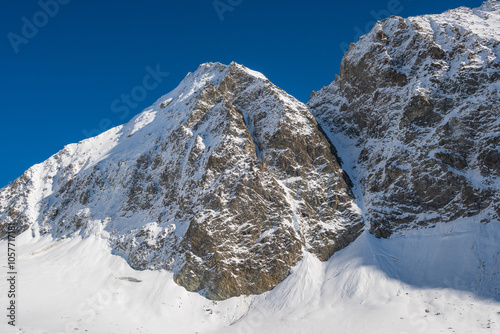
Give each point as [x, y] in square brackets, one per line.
[227, 180]
[393, 7]
[123, 105]
[224, 181]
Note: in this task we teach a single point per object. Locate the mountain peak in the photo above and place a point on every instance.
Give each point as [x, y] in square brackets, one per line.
[416, 104]
[207, 73]
[226, 181]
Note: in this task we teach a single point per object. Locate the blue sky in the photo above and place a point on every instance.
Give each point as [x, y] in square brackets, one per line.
[60, 78]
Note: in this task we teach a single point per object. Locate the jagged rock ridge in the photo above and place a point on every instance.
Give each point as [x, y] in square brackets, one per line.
[416, 103]
[225, 181]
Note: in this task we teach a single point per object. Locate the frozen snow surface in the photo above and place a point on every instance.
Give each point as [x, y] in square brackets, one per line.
[440, 280]
[444, 279]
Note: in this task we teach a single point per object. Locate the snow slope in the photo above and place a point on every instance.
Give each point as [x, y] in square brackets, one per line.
[444, 279]
[429, 281]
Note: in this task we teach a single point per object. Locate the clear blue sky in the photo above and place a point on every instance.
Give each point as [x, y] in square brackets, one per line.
[64, 77]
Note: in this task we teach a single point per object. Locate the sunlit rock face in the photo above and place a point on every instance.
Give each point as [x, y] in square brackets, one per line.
[225, 181]
[417, 105]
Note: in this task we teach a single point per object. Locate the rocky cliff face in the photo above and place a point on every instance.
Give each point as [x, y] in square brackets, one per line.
[226, 181]
[416, 106]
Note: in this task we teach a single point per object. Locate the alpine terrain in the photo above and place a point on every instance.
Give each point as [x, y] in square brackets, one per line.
[224, 181]
[228, 206]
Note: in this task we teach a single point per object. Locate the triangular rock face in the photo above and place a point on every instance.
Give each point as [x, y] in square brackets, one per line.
[417, 105]
[225, 181]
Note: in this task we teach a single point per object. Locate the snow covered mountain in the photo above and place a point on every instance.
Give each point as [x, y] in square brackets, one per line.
[231, 188]
[224, 181]
[416, 106]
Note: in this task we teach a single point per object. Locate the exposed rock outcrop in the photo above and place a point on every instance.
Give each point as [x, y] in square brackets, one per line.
[225, 181]
[417, 104]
